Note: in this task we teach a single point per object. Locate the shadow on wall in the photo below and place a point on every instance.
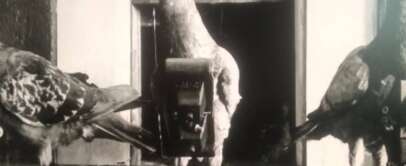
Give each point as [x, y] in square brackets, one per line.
[260, 37]
[260, 139]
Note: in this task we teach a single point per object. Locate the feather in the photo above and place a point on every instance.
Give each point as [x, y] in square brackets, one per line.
[348, 86]
[115, 127]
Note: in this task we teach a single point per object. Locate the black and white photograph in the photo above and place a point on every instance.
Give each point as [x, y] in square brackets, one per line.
[203, 82]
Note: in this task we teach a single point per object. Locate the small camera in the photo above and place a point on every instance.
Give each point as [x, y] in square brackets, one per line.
[186, 115]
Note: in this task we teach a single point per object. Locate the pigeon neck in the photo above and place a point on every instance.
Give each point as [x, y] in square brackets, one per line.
[186, 29]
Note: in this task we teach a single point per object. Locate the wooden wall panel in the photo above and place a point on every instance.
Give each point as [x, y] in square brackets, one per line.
[28, 25]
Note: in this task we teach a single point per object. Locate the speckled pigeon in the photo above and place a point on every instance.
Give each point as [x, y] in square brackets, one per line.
[363, 99]
[49, 107]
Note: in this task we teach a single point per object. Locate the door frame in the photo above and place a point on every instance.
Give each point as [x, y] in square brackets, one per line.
[300, 61]
[300, 75]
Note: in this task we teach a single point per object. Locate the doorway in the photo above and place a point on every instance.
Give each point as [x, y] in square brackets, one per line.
[260, 36]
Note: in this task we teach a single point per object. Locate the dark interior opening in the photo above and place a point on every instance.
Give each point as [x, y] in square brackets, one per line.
[260, 36]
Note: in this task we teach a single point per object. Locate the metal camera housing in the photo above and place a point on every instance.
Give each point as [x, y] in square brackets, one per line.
[186, 117]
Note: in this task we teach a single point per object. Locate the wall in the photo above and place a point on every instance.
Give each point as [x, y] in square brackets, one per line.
[334, 28]
[26, 24]
[94, 37]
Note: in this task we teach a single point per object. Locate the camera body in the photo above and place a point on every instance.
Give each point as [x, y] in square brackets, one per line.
[186, 122]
